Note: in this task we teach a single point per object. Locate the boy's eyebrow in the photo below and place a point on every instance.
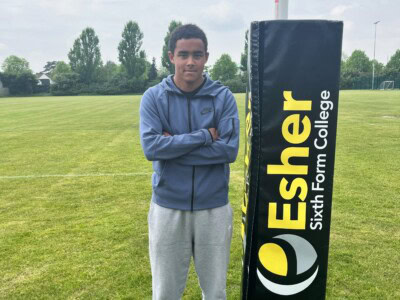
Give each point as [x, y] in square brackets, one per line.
[187, 52]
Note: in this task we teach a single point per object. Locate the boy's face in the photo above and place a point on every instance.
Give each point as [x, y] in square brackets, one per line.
[189, 59]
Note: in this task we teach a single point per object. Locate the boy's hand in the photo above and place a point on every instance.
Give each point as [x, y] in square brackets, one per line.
[214, 133]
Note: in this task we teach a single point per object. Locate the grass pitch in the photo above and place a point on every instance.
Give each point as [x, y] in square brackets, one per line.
[75, 191]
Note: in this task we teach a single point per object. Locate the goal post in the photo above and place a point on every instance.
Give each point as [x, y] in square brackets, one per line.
[387, 85]
[271, 239]
[281, 9]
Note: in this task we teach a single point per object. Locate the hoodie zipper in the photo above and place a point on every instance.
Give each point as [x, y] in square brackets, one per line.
[193, 168]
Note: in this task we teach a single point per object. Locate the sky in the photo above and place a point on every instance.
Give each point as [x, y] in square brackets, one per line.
[44, 30]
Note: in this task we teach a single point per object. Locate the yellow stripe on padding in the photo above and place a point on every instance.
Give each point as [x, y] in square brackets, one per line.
[273, 258]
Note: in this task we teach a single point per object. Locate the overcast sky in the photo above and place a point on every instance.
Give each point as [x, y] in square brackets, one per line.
[44, 30]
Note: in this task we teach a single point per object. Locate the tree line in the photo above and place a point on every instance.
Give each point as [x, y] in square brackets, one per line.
[85, 72]
[357, 69]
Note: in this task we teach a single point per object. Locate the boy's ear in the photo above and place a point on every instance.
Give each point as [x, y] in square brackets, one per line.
[207, 54]
[171, 57]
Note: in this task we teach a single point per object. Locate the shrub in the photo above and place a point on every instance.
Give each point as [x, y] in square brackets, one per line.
[66, 84]
[236, 85]
[19, 84]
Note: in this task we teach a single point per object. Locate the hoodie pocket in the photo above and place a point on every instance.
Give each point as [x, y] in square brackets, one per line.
[175, 185]
[211, 184]
[158, 175]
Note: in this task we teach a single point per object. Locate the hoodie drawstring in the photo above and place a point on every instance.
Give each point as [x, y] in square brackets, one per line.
[168, 106]
[213, 103]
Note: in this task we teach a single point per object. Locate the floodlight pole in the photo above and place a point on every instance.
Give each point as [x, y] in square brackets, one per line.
[281, 9]
[373, 62]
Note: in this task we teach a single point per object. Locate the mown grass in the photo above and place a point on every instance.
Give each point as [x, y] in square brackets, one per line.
[80, 237]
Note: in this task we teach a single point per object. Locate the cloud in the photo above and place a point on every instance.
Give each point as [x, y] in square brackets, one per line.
[108, 1]
[3, 46]
[105, 5]
[339, 10]
[13, 8]
[348, 25]
[64, 8]
[222, 16]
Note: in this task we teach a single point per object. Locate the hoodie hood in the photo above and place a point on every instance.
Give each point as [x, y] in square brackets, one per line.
[210, 87]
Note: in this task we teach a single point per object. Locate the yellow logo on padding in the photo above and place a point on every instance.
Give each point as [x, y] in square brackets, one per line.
[274, 259]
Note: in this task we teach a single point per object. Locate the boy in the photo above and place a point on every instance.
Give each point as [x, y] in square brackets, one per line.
[189, 128]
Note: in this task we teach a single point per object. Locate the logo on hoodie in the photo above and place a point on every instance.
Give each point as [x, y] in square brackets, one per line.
[206, 110]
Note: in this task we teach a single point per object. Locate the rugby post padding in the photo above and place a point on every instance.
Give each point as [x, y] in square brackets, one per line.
[291, 120]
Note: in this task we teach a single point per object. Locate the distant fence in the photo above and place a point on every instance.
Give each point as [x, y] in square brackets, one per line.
[364, 82]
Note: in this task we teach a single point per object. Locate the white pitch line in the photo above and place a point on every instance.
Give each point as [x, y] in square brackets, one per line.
[76, 175]
[84, 175]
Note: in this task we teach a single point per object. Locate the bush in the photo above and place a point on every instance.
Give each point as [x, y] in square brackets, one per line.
[236, 85]
[152, 83]
[137, 85]
[119, 83]
[43, 88]
[66, 84]
[19, 84]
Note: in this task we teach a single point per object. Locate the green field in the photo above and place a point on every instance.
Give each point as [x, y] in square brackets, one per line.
[75, 190]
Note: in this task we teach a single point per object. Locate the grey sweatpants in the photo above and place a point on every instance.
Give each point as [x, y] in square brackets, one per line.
[175, 236]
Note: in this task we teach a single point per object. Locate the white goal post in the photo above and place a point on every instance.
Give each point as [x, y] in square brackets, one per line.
[387, 85]
[281, 9]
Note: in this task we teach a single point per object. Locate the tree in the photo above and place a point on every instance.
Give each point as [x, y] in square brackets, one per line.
[244, 56]
[379, 67]
[60, 68]
[109, 70]
[49, 67]
[129, 53]
[142, 65]
[153, 70]
[17, 76]
[244, 78]
[356, 71]
[359, 62]
[137, 84]
[66, 84]
[19, 84]
[84, 56]
[236, 85]
[15, 65]
[224, 69]
[165, 62]
[163, 73]
[392, 69]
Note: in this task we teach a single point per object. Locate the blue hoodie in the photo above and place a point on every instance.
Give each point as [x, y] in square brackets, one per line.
[191, 171]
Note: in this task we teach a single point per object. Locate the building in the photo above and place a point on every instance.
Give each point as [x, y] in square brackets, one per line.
[3, 90]
[44, 79]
